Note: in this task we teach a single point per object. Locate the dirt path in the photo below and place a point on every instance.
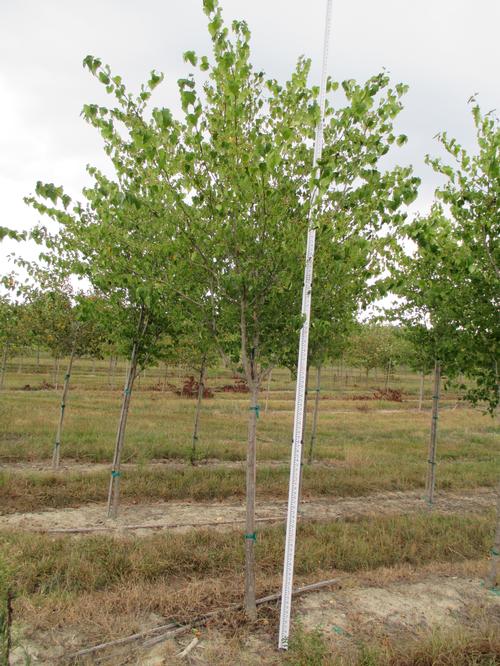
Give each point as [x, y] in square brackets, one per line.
[89, 468]
[183, 516]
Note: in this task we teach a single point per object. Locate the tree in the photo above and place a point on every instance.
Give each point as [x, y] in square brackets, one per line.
[120, 238]
[246, 162]
[13, 335]
[376, 345]
[51, 319]
[452, 275]
[195, 350]
[341, 270]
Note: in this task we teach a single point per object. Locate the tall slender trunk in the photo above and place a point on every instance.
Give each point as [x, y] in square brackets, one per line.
[56, 455]
[491, 578]
[303, 438]
[114, 484]
[110, 372]
[4, 364]
[268, 390]
[251, 470]
[315, 415]
[431, 468]
[164, 386]
[38, 359]
[6, 597]
[421, 394]
[387, 376]
[201, 390]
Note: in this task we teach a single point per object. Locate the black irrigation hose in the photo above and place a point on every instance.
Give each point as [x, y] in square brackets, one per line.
[173, 629]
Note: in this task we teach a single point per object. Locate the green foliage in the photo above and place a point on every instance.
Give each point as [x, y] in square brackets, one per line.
[246, 163]
[450, 285]
[376, 346]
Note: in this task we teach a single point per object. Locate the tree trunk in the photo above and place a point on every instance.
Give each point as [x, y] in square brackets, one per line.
[303, 438]
[315, 415]
[6, 597]
[201, 390]
[491, 578]
[250, 533]
[165, 378]
[110, 372]
[268, 389]
[431, 469]
[56, 455]
[387, 376]
[421, 394]
[114, 484]
[4, 364]
[38, 359]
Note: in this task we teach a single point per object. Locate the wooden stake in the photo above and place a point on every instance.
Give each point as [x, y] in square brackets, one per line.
[56, 455]
[431, 468]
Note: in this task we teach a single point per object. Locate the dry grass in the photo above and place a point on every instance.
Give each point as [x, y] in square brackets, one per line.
[468, 646]
[35, 491]
[54, 570]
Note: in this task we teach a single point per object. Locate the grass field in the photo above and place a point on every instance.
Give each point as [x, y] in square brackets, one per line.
[73, 591]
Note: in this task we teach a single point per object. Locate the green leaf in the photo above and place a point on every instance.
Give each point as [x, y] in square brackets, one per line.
[190, 56]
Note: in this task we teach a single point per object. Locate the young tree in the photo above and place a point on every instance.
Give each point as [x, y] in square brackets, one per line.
[13, 334]
[453, 274]
[51, 319]
[246, 161]
[120, 239]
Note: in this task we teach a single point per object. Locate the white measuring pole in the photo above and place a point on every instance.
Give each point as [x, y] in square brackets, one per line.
[293, 492]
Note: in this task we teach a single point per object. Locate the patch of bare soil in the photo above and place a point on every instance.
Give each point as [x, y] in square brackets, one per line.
[88, 468]
[399, 608]
[183, 516]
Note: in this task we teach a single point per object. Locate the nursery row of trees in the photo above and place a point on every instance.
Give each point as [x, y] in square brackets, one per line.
[198, 232]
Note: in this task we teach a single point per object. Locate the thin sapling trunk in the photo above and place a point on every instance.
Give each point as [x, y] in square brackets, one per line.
[431, 468]
[251, 471]
[491, 578]
[114, 484]
[421, 393]
[315, 415]
[303, 438]
[387, 374]
[201, 390]
[268, 390]
[4, 364]
[56, 455]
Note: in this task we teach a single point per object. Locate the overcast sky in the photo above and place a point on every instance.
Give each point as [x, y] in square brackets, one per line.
[446, 50]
